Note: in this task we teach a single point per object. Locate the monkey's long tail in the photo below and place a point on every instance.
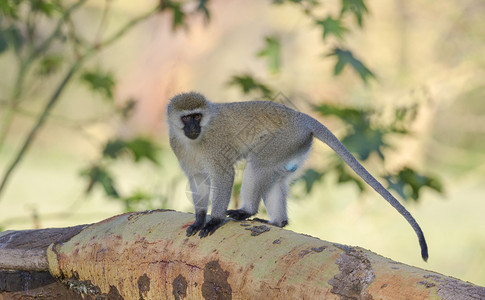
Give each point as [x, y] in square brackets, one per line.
[322, 133]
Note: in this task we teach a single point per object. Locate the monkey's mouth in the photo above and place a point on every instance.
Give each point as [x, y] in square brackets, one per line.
[192, 134]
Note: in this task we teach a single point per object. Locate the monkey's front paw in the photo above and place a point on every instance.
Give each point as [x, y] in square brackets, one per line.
[210, 227]
[238, 214]
[192, 229]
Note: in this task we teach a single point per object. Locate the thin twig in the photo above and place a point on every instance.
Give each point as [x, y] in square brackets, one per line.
[103, 22]
[127, 27]
[24, 67]
[74, 68]
[39, 124]
[56, 31]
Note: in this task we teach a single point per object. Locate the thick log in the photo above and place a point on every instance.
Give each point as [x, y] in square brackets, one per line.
[147, 255]
[24, 250]
[23, 264]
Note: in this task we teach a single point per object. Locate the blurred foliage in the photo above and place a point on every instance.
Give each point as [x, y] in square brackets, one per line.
[311, 177]
[99, 82]
[178, 15]
[272, 51]
[345, 57]
[248, 85]
[98, 174]
[408, 183]
[366, 138]
[355, 7]
[39, 57]
[138, 147]
[46, 41]
[332, 26]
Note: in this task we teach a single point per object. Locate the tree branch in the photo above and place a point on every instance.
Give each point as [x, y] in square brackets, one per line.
[39, 123]
[147, 255]
[63, 84]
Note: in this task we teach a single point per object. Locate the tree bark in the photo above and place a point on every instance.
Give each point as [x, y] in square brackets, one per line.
[23, 264]
[146, 255]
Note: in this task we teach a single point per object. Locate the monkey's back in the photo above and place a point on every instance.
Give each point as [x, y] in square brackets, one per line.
[257, 128]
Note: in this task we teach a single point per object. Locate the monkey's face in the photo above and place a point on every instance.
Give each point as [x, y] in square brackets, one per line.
[191, 124]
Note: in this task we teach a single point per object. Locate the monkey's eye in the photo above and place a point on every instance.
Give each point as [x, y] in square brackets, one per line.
[185, 118]
[197, 117]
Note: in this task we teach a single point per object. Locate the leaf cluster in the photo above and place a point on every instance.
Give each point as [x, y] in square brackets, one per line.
[332, 26]
[98, 174]
[366, 138]
[249, 84]
[408, 183]
[42, 54]
[180, 15]
[38, 58]
[99, 81]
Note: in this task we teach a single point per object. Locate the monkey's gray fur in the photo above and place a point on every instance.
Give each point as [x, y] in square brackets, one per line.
[209, 138]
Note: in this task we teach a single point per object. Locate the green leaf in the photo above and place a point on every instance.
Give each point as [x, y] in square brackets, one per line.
[403, 118]
[272, 51]
[408, 183]
[333, 27]
[394, 183]
[50, 64]
[16, 38]
[357, 7]
[11, 36]
[365, 141]
[10, 8]
[248, 84]
[128, 108]
[344, 176]
[310, 177]
[99, 82]
[138, 147]
[114, 148]
[139, 200]
[345, 57]
[45, 7]
[98, 175]
[203, 8]
[177, 12]
[355, 117]
[143, 148]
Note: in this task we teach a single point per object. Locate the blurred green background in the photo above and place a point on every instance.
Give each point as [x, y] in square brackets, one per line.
[84, 85]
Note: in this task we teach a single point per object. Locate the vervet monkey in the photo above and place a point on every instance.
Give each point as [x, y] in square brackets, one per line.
[209, 138]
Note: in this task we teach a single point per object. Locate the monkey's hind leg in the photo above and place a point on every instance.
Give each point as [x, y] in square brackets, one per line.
[275, 202]
[255, 181]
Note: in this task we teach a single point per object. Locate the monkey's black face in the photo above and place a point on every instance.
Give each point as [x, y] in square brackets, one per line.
[192, 125]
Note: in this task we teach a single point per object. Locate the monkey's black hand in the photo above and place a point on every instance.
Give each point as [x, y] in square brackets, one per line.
[198, 224]
[192, 229]
[210, 227]
[238, 214]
